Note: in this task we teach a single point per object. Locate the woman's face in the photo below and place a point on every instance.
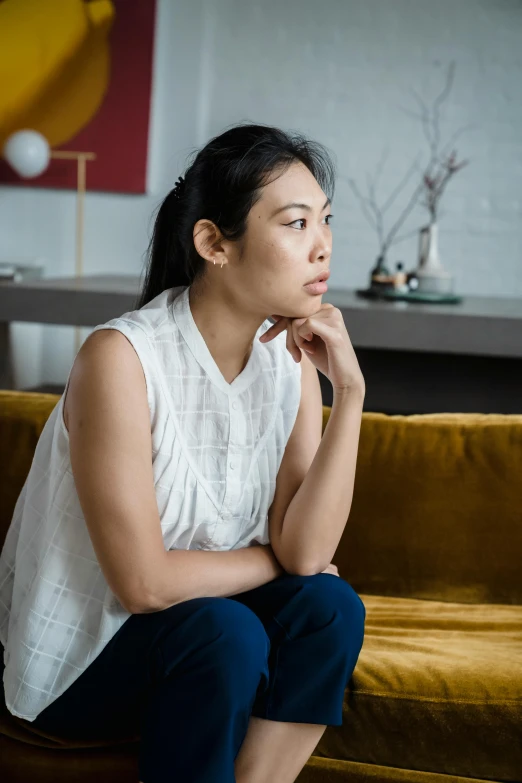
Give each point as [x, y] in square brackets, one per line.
[285, 246]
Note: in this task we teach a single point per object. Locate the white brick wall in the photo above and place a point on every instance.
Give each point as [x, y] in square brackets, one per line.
[339, 71]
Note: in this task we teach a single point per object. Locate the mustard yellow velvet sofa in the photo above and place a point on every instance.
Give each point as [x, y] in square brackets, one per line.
[433, 546]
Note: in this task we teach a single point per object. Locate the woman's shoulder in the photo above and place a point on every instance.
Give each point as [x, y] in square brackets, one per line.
[149, 320]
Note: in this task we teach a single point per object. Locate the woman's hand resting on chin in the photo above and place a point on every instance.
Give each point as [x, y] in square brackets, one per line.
[324, 338]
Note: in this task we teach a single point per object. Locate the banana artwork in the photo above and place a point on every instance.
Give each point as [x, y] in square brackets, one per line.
[54, 65]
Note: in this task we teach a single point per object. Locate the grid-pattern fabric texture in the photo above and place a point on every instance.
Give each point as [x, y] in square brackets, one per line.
[217, 448]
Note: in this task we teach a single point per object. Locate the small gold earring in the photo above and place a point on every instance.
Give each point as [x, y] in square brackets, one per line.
[213, 260]
[222, 265]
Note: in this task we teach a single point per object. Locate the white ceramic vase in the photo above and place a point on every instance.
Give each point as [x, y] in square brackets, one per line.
[431, 275]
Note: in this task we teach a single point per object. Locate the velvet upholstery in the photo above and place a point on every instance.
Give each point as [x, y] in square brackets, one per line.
[433, 547]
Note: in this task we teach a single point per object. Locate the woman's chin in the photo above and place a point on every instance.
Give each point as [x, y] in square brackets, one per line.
[305, 309]
[311, 304]
[302, 306]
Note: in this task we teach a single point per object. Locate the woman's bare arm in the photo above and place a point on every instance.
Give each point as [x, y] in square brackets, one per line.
[107, 415]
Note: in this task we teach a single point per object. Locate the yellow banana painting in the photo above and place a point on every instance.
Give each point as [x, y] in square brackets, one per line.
[54, 65]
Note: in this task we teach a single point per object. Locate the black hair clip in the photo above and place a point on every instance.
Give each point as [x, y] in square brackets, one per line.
[179, 187]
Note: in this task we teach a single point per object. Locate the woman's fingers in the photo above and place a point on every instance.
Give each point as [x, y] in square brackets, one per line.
[291, 344]
[275, 329]
[301, 341]
[295, 342]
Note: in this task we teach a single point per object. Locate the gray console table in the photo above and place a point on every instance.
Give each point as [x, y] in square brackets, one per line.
[416, 358]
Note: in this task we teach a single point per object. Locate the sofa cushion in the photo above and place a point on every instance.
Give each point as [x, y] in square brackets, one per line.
[437, 688]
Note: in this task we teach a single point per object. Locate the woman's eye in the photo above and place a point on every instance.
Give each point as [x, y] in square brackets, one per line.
[302, 220]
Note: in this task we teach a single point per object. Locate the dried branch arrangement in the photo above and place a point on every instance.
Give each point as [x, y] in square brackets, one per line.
[375, 213]
[441, 166]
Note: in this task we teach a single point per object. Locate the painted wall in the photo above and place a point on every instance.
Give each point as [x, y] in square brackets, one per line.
[342, 72]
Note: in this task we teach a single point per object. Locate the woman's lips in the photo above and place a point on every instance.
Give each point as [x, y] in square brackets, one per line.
[316, 288]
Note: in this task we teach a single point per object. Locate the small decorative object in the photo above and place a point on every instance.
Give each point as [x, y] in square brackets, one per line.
[412, 280]
[400, 280]
[14, 272]
[380, 276]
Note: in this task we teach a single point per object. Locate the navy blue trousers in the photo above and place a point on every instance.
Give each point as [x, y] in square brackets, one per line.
[188, 678]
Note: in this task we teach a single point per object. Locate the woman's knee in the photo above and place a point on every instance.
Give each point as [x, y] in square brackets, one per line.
[332, 596]
[238, 628]
[231, 636]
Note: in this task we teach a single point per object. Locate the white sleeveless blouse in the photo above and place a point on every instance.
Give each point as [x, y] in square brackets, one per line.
[216, 452]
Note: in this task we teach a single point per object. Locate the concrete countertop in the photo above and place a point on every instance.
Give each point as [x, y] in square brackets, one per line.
[482, 326]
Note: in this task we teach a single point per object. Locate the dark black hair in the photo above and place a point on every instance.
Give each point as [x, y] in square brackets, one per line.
[222, 184]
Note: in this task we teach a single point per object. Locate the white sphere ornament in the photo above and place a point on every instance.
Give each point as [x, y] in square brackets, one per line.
[27, 152]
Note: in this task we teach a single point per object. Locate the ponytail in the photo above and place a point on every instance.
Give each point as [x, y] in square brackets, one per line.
[166, 268]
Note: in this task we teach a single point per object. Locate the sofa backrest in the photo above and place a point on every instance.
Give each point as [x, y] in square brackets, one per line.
[436, 512]
[437, 508]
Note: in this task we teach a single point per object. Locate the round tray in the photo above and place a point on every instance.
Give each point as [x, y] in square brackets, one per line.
[411, 296]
